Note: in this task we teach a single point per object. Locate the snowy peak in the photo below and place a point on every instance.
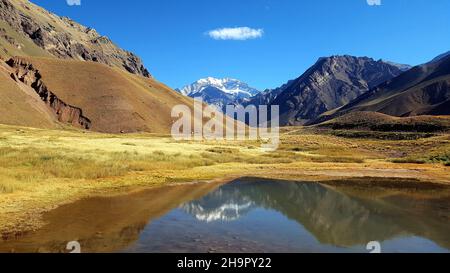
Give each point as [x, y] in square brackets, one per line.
[219, 92]
[235, 88]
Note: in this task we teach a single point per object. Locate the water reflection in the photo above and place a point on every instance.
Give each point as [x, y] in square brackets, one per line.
[224, 204]
[248, 215]
[333, 217]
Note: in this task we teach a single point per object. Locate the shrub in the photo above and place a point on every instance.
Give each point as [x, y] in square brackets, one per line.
[409, 160]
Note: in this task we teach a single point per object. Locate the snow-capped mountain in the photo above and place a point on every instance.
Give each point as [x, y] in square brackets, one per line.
[219, 92]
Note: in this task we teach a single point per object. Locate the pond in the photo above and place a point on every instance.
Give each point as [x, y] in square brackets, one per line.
[246, 215]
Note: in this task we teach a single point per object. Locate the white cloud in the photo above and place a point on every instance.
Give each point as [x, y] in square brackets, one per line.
[237, 33]
[73, 2]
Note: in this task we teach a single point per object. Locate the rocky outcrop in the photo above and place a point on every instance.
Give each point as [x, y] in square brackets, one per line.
[66, 39]
[422, 90]
[330, 83]
[27, 74]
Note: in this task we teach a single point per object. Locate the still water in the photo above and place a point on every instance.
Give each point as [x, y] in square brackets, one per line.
[247, 215]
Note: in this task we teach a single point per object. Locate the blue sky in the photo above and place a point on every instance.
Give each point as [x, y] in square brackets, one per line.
[171, 36]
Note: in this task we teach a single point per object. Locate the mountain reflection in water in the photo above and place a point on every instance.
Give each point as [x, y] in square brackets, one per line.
[333, 217]
[248, 215]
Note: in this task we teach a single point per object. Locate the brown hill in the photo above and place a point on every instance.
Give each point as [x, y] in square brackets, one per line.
[69, 74]
[21, 105]
[29, 30]
[90, 95]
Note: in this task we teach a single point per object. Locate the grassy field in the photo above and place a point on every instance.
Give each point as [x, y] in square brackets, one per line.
[41, 169]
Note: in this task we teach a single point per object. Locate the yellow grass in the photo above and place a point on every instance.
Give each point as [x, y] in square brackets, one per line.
[41, 169]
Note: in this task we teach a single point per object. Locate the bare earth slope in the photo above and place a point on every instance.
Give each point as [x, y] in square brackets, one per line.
[20, 105]
[97, 97]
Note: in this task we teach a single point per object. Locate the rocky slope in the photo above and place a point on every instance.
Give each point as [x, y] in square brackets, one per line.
[328, 84]
[422, 90]
[25, 72]
[21, 105]
[56, 73]
[26, 29]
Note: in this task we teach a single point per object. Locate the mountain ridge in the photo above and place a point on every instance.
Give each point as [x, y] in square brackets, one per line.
[29, 30]
[56, 73]
[422, 90]
[330, 83]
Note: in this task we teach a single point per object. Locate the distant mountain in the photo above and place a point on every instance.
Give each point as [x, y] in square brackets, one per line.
[330, 83]
[264, 98]
[219, 92]
[422, 90]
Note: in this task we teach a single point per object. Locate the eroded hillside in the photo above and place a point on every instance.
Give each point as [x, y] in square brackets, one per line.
[29, 30]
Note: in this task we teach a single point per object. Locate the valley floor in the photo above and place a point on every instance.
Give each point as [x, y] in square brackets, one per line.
[43, 169]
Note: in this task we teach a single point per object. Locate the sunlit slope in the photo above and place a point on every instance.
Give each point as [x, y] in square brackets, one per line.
[29, 30]
[15, 44]
[20, 105]
[113, 100]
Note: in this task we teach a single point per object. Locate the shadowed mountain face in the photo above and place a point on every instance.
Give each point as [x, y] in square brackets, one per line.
[330, 83]
[442, 56]
[422, 90]
[26, 29]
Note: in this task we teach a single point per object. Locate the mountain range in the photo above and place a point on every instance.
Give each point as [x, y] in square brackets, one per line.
[55, 72]
[330, 83]
[337, 85]
[219, 92]
[422, 90]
